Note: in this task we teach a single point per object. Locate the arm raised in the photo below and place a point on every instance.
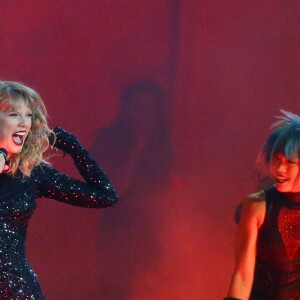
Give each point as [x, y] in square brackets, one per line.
[95, 191]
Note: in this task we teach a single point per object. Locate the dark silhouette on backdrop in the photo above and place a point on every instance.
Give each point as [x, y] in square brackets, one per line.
[137, 154]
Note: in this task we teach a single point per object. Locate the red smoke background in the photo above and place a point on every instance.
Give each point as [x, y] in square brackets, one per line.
[205, 80]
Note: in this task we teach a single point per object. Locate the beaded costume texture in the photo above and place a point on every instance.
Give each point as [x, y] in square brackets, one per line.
[18, 201]
[277, 271]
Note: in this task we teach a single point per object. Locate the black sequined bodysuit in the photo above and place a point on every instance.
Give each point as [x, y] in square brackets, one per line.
[277, 271]
[18, 201]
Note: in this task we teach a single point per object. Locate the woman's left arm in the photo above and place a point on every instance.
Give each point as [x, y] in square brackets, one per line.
[95, 192]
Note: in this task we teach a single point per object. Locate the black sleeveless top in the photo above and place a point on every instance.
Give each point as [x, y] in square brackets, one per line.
[277, 269]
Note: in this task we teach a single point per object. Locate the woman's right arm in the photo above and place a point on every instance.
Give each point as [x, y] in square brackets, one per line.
[252, 217]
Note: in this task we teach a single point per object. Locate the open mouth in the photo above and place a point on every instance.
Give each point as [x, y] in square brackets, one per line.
[18, 137]
[281, 179]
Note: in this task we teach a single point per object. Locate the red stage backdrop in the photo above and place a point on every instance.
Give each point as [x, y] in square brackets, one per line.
[174, 99]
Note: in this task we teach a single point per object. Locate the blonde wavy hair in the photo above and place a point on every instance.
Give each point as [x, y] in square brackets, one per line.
[37, 141]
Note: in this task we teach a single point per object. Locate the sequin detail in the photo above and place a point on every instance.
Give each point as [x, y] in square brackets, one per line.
[18, 201]
[95, 192]
[289, 228]
[17, 204]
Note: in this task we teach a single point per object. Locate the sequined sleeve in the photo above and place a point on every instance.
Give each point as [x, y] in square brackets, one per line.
[95, 192]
